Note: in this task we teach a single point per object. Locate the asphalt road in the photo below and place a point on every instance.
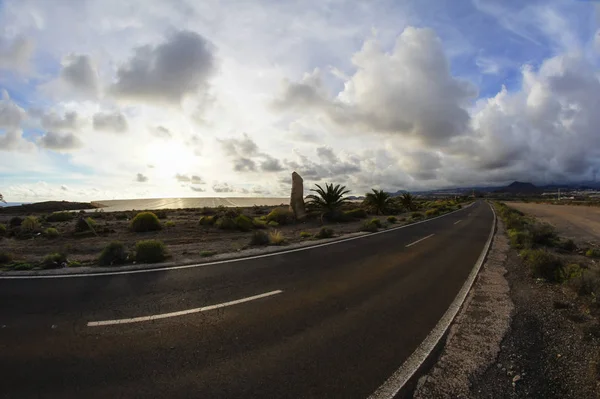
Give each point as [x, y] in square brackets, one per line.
[348, 316]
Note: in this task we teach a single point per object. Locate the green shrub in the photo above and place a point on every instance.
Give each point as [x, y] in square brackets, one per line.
[432, 212]
[15, 221]
[370, 226]
[30, 225]
[589, 283]
[51, 232]
[2, 230]
[161, 214]
[459, 206]
[259, 224]
[593, 253]
[571, 271]
[392, 219]
[85, 224]
[305, 234]
[59, 217]
[337, 216]
[225, 223]
[272, 223]
[544, 264]
[243, 222]
[21, 266]
[542, 234]
[376, 222]
[276, 237]
[113, 254]
[207, 220]
[54, 261]
[150, 251]
[206, 254]
[281, 215]
[145, 221]
[514, 221]
[74, 263]
[259, 237]
[357, 213]
[169, 223]
[520, 239]
[325, 232]
[567, 245]
[5, 257]
[121, 216]
[416, 215]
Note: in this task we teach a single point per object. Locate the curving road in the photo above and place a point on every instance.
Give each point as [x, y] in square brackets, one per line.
[333, 321]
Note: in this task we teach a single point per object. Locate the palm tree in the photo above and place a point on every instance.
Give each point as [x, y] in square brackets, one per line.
[379, 201]
[408, 201]
[327, 201]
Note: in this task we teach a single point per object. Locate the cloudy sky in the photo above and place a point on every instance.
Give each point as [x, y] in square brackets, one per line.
[155, 98]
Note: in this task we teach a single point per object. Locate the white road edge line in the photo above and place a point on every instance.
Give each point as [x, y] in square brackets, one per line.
[458, 221]
[219, 262]
[418, 241]
[390, 388]
[182, 312]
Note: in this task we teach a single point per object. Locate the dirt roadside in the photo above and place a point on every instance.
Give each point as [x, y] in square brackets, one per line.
[535, 340]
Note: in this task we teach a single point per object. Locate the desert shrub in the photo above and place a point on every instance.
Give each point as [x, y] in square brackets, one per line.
[337, 216]
[325, 232]
[376, 222]
[74, 263]
[85, 224]
[207, 220]
[259, 224]
[459, 206]
[243, 222]
[54, 261]
[21, 266]
[30, 224]
[281, 215]
[514, 221]
[51, 232]
[150, 251]
[416, 215]
[589, 283]
[593, 253]
[225, 223]
[520, 239]
[169, 223]
[145, 221]
[5, 257]
[357, 213]
[571, 271]
[113, 254]
[15, 221]
[2, 230]
[272, 223]
[121, 216]
[567, 245]
[392, 219]
[544, 264]
[259, 237]
[206, 254]
[276, 237]
[305, 234]
[542, 234]
[161, 214]
[432, 212]
[370, 226]
[59, 217]
[208, 211]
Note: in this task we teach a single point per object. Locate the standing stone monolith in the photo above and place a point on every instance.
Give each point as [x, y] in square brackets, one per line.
[297, 197]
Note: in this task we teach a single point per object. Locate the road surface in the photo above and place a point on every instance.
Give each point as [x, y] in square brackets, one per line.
[333, 321]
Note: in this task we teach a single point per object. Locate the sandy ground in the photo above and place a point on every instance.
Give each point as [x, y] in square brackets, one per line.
[579, 223]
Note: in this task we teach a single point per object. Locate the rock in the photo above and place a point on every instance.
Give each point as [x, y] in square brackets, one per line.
[297, 197]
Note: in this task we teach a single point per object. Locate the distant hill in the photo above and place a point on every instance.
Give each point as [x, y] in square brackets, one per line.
[48, 206]
[518, 187]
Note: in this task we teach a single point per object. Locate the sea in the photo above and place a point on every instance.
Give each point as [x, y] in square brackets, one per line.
[180, 203]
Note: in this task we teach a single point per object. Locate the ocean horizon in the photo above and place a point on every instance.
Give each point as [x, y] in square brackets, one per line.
[180, 203]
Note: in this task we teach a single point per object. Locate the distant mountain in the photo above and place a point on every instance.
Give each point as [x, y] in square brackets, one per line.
[518, 187]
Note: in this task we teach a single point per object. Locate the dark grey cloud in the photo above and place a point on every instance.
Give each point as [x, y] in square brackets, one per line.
[197, 180]
[79, 72]
[140, 178]
[16, 55]
[306, 94]
[326, 154]
[222, 188]
[167, 72]
[194, 179]
[11, 115]
[162, 132]
[244, 147]
[244, 165]
[60, 141]
[110, 121]
[54, 122]
[197, 189]
[182, 178]
[271, 164]
[64, 188]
